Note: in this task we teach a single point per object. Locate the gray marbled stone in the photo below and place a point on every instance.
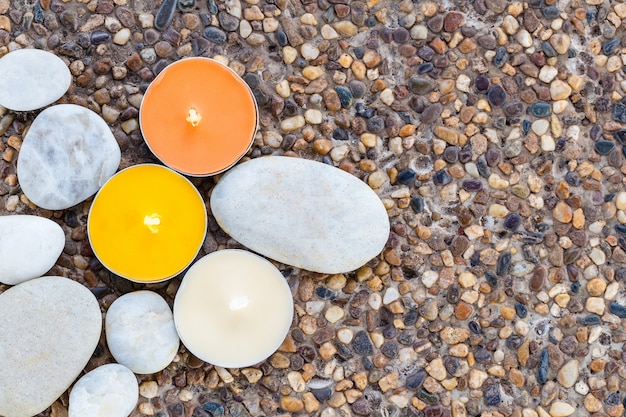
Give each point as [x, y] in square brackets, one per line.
[49, 329]
[68, 153]
[302, 213]
[31, 79]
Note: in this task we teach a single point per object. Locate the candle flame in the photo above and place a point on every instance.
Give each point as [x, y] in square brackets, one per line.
[239, 303]
[194, 117]
[152, 222]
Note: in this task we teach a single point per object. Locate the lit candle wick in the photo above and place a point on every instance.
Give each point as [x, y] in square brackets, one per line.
[194, 117]
[239, 303]
[152, 221]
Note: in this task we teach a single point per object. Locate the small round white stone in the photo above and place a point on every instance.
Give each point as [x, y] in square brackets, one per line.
[68, 153]
[31, 79]
[140, 332]
[107, 391]
[20, 237]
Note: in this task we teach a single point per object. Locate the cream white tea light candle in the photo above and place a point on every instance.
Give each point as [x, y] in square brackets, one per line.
[233, 309]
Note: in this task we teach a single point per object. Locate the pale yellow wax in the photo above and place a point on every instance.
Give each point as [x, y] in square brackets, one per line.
[233, 309]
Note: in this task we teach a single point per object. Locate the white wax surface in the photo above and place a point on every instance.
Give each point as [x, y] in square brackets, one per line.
[233, 309]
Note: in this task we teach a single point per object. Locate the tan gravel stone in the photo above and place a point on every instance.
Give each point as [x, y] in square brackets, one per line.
[337, 400]
[597, 256]
[312, 72]
[561, 409]
[253, 375]
[498, 211]
[498, 183]
[146, 409]
[149, 389]
[592, 404]
[467, 279]
[568, 374]
[292, 123]
[463, 310]
[578, 219]
[449, 135]
[371, 59]
[453, 336]
[467, 45]
[345, 28]
[620, 10]
[516, 377]
[292, 404]
[334, 314]
[377, 179]
[279, 361]
[474, 231]
[389, 382]
[510, 25]
[507, 312]
[560, 42]
[311, 404]
[595, 305]
[576, 82]
[562, 212]
[620, 200]
[547, 73]
[476, 378]
[296, 381]
[313, 116]
[328, 32]
[596, 287]
[289, 54]
[352, 395]
[458, 409]
[523, 352]
[436, 369]
[614, 63]
[524, 38]
[459, 351]
[322, 146]
[560, 90]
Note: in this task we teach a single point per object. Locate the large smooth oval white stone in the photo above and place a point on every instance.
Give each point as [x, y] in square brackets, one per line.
[49, 329]
[68, 153]
[31, 79]
[140, 332]
[20, 238]
[107, 391]
[301, 213]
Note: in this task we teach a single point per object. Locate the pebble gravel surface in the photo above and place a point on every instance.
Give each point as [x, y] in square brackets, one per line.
[493, 131]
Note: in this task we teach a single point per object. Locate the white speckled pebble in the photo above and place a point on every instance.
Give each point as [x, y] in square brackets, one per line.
[140, 332]
[31, 79]
[302, 213]
[49, 329]
[20, 237]
[107, 391]
[68, 153]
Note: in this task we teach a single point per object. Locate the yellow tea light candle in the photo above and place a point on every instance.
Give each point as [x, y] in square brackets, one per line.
[147, 223]
[233, 309]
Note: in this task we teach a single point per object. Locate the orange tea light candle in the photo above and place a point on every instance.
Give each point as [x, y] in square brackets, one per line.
[198, 117]
[147, 223]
